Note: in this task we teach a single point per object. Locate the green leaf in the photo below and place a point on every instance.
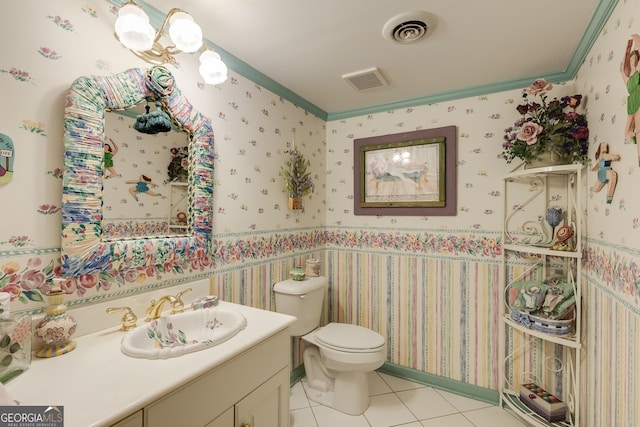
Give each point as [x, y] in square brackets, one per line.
[6, 361]
[48, 270]
[33, 295]
[182, 337]
[4, 342]
[15, 347]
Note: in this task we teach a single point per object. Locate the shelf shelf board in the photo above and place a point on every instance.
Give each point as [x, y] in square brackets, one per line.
[541, 250]
[544, 171]
[512, 399]
[565, 340]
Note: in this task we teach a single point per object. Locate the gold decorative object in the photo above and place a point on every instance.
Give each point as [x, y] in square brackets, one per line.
[54, 331]
[295, 203]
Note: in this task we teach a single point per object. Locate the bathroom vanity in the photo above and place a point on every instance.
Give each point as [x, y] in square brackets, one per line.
[243, 381]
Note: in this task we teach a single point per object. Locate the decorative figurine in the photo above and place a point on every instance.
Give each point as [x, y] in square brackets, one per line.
[554, 218]
[562, 239]
[631, 78]
[606, 175]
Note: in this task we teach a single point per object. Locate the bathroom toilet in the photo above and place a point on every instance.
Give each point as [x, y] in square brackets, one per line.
[337, 357]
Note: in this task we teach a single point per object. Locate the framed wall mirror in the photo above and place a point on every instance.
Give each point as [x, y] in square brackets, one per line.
[87, 246]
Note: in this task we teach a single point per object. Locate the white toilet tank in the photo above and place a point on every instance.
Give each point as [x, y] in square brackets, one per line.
[302, 299]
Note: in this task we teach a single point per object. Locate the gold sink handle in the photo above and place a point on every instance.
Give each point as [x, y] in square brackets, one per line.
[129, 319]
[178, 305]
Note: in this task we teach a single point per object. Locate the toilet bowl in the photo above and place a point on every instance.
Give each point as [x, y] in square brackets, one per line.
[337, 357]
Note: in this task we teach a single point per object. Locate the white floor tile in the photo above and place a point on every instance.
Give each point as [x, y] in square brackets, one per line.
[399, 384]
[387, 410]
[377, 385]
[455, 420]
[493, 417]
[426, 403]
[302, 418]
[329, 417]
[462, 403]
[297, 397]
[398, 402]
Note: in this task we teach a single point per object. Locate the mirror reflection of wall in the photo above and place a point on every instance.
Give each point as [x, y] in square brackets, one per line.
[143, 195]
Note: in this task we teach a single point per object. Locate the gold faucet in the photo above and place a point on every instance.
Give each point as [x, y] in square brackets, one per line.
[155, 309]
[178, 306]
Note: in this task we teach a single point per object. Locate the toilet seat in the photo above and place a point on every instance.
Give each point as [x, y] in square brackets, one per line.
[349, 338]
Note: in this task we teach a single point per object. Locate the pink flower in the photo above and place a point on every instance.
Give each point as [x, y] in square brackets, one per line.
[539, 87]
[32, 279]
[88, 280]
[529, 132]
[12, 289]
[70, 285]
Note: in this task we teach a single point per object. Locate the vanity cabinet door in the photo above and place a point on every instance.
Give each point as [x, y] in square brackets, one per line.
[133, 420]
[206, 398]
[266, 406]
[224, 420]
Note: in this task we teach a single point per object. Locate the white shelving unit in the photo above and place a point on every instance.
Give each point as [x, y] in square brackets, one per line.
[179, 198]
[532, 254]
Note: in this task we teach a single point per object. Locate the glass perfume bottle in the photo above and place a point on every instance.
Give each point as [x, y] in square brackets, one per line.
[15, 341]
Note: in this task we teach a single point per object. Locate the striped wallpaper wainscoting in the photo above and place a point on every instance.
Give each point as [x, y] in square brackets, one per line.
[611, 375]
[439, 313]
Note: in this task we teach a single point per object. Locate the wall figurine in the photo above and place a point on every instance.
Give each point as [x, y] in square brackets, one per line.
[142, 185]
[631, 77]
[110, 150]
[606, 176]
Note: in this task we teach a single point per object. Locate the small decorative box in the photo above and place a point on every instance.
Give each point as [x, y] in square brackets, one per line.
[297, 274]
[543, 403]
[205, 302]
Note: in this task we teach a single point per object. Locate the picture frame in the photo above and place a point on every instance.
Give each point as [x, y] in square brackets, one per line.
[411, 173]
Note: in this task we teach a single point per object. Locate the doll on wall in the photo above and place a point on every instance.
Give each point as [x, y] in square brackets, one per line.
[142, 186]
[606, 176]
[631, 78]
[110, 150]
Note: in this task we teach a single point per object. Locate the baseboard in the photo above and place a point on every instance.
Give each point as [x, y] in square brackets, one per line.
[447, 384]
[296, 375]
[453, 386]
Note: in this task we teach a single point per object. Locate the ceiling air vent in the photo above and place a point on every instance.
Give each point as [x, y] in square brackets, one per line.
[365, 79]
[408, 27]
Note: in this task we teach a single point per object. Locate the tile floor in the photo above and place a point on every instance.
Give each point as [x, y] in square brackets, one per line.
[398, 402]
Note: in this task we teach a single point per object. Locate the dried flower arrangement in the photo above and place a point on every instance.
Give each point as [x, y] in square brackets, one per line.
[297, 177]
[545, 128]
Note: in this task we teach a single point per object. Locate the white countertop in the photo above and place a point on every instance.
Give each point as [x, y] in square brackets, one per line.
[98, 385]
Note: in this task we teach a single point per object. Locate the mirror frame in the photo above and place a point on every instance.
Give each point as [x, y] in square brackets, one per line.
[83, 250]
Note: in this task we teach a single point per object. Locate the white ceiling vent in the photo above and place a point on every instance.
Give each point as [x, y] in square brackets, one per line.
[365, 79]
[408, 27]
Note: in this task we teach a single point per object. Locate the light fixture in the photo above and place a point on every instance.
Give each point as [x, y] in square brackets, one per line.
[134, 31]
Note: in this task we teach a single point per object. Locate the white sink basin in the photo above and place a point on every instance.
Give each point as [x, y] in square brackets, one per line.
[178, 334]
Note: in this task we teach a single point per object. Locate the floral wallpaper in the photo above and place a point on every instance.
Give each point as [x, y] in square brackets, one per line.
[429, 284]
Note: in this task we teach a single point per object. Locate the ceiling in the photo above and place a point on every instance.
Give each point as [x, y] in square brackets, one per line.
[300, 49]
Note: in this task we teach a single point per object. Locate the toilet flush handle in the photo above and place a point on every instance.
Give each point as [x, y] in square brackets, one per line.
[303, 296]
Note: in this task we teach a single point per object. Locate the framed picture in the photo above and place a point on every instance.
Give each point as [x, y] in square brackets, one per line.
[412, 173]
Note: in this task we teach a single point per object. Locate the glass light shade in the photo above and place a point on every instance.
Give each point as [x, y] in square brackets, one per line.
[212, 69]
[184, 33]
[133, 28]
